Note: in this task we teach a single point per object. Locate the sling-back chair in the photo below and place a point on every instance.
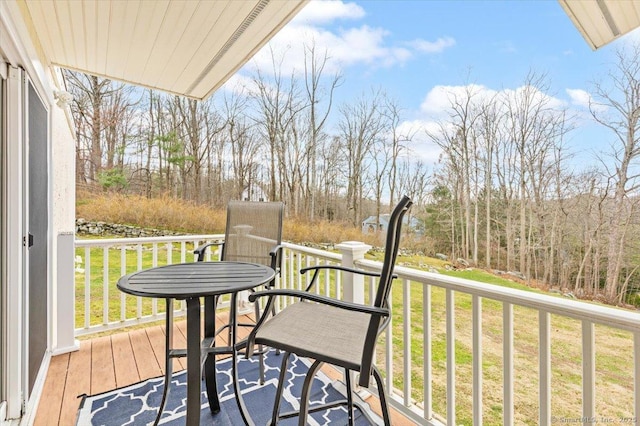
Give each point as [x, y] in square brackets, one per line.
[253, 234]
[331, 331]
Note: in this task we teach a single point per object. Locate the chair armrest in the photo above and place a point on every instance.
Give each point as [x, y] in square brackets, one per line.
[276, 257]
[317, 269]
[276, 262]
[340, 268]
[313, 297]
[200, 251]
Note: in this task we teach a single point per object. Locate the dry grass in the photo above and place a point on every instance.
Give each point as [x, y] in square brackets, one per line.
[188, 217]
[159, 213]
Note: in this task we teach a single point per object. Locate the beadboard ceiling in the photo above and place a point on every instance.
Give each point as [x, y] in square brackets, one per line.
[186, 47]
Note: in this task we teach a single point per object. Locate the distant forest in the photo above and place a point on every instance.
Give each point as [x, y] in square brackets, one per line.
[501, 197]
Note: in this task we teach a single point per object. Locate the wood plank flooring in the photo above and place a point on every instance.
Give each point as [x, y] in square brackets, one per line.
[112, 361]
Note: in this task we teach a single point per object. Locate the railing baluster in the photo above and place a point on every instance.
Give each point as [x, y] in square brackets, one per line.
[388, 356]
[636, 376]
[169, 262]
[299, 276]
[476, 323]
[183, 251]
[307, 263]
[507, 360]
[588, 370]
[371, 284]
[290, 281]
[87, 287]
[406, 335]
[427, 353]
[327, 281]
[139, 266]
[154, 263]
[451, 357]
[105, 286]
[123, 271]
[306, 278]
[372, 290]
[544, 361]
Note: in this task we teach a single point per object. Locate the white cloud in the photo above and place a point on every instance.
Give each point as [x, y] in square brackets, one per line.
[579, 97]
[438, 101]
[433, 46]
[583, 100]
[346, 45]
[322, 12]
[421, 146]
[537, 96]
[237, 84]
[344, 48]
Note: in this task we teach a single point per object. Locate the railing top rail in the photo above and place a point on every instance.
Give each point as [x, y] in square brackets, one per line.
[581, 310]
[102, 242]
[578, 309]
[105, 242]
[313, 252]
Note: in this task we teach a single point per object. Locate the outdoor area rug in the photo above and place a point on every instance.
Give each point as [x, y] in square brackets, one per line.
[137, 404]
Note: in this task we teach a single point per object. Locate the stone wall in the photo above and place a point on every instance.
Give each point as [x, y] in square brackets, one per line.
[89, 228]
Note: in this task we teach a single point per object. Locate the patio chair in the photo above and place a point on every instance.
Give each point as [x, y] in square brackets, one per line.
[331, 331]
[253, 234]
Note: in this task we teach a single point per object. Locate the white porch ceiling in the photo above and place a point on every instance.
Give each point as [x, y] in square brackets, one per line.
[602, 21]
[188, 48]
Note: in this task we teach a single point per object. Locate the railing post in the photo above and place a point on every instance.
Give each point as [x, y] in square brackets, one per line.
[353, 285]
[64, 296]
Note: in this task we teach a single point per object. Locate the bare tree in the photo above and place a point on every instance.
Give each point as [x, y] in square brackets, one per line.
[275, 104]
[458, 141]
[314, 66]
[360, 124]
[242, 144]
[489, 134]
[90, 95]
[398, 142]
[617, 108]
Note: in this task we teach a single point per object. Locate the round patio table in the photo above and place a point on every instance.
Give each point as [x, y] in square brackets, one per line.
[190, 282]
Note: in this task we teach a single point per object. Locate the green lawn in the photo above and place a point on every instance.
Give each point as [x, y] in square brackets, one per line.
[96, 258]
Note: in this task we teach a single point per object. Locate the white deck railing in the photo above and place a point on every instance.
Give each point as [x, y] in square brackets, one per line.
[456, 352]
[100, 306]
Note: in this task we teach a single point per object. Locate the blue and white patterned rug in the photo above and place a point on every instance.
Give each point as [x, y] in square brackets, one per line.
[137, 404]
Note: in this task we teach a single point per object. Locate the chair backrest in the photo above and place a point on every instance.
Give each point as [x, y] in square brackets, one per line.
[384, 287]
[253, 230]
[391, 250]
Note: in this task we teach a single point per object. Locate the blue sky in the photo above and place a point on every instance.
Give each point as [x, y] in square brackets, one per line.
[414, 49]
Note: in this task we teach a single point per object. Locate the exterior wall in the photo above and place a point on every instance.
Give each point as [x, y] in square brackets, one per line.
[21, 51]
[62, 213]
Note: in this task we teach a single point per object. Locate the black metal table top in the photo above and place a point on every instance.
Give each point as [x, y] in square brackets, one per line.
[187, 280]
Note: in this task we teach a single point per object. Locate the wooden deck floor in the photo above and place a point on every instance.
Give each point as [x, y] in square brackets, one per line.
[112, 361]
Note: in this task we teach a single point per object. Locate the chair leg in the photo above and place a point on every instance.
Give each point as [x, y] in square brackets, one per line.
[347, 376]
[276, 404]
[168, 363]
[382, 396]
[209, 370]
[306, 388]
[260, 347]
[273, 313]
